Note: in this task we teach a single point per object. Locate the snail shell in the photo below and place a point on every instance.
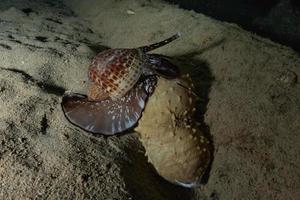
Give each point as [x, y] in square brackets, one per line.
[114, 72]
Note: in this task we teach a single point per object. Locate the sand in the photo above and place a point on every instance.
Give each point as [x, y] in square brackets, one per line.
[249, 88]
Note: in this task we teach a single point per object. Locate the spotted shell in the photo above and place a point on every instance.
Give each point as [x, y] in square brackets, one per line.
[115, 72]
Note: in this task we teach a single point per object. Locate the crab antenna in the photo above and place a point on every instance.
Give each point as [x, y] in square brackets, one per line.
[160, 44]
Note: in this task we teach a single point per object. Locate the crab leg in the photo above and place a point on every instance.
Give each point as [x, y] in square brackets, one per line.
[159, 44]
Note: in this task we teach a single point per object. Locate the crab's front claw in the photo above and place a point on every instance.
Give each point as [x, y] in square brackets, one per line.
[163, 67]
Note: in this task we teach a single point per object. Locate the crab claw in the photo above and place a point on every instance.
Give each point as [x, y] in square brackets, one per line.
[162, 66]
[108, 117]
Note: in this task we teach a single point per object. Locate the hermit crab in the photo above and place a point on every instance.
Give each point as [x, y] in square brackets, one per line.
[121, 80]
[121, 83]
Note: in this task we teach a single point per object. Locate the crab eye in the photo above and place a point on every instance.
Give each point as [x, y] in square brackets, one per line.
[108, 116]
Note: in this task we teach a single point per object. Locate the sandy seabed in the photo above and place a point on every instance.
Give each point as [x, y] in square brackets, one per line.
[249, 88]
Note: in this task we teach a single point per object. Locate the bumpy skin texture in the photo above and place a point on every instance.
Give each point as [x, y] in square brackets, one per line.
[174, 145]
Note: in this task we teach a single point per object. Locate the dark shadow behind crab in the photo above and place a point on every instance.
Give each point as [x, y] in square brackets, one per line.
[141, 179]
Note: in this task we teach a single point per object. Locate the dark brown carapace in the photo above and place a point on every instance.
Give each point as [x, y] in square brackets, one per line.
[121, 80]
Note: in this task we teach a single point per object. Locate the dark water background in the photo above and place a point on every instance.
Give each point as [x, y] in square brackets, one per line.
[278, 20]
